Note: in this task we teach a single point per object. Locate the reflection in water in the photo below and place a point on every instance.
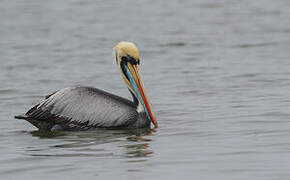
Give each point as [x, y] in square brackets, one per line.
[93, 143]
[138, 150]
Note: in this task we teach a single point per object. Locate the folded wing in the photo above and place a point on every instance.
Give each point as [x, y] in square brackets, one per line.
[85, 106]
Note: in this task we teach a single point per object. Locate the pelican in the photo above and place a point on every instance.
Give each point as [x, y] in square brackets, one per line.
[84, 108]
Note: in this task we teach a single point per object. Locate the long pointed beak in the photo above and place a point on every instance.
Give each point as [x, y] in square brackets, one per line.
[141, 93]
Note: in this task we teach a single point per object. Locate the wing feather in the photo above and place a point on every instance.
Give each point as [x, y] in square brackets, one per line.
[85, 106]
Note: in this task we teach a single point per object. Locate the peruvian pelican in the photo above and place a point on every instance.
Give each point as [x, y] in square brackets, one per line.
[83, 108]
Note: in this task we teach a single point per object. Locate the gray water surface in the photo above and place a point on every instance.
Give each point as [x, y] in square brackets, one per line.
[216, 72]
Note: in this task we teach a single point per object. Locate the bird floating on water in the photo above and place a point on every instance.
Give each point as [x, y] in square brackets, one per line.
[84, 108]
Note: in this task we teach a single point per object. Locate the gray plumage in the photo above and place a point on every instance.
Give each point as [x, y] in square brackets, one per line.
[82, 108]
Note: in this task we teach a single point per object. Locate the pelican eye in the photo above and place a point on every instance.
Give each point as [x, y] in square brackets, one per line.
[130, 59]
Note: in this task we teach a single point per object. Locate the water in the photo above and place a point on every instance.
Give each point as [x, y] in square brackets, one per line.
[217, 74]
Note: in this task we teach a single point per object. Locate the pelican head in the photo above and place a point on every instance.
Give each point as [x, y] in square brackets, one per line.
[127, 57]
